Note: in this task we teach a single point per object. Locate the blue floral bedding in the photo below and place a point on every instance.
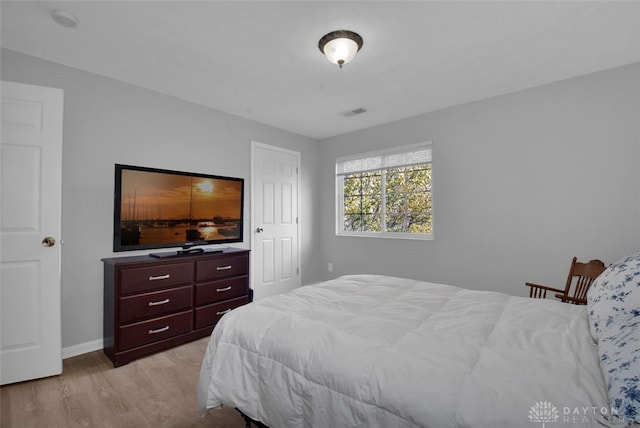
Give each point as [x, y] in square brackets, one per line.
[613, 306]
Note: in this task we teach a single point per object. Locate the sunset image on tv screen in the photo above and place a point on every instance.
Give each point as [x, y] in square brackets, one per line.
[158, 208]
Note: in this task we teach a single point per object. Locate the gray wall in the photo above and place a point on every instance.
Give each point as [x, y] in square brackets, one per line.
[522, 183]
[108, 122]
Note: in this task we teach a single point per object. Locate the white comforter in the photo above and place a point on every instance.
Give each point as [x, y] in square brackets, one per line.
[375, 351]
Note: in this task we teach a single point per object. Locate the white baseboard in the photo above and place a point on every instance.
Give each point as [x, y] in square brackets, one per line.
[83, 348]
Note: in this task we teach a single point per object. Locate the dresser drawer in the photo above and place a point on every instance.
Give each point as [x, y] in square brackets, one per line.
[154, 330]
[209, 315]
[150, 278]
[224, 289]
[155, 303]
[222, 268]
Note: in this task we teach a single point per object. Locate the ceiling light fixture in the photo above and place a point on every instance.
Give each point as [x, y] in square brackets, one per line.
[64, 18]
[341, 46]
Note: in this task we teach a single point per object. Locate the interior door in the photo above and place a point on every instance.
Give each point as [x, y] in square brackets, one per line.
[30, 226]
[275, 249]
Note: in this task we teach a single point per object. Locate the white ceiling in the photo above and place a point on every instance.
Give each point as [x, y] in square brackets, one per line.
[260, 60]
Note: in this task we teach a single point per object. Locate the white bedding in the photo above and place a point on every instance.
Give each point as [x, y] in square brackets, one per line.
[377, 351]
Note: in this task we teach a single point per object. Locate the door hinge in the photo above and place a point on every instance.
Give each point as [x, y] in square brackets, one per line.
[296, 220]
[298, 270]
[296, 170]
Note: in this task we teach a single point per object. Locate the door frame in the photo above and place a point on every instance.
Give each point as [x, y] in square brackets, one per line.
[254, 145]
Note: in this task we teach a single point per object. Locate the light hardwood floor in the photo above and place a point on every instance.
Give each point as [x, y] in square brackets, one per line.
[155, 391]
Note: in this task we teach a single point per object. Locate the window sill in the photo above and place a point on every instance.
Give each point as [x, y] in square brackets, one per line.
[388, 235]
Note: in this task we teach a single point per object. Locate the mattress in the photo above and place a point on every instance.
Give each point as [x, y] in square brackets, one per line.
[379, 351]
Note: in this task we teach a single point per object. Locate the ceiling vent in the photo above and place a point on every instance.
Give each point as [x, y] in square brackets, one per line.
[353, 112]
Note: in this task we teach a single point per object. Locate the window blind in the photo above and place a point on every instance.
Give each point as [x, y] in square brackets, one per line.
[400, 157]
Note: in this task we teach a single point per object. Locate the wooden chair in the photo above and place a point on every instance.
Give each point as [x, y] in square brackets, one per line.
[581, 275]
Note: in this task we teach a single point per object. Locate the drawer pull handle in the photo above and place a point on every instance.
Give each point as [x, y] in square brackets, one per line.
[160, 302]
[159, 330]
[159, 277]
[223, 312]
[223, 267]
[219, 290]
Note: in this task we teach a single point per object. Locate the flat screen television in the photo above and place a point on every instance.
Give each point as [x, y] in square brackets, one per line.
[158, 208]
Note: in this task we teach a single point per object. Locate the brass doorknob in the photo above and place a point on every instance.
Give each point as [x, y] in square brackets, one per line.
[48, 241]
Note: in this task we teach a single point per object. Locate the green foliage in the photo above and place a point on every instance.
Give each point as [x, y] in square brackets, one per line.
[362, 202]
[408, 200]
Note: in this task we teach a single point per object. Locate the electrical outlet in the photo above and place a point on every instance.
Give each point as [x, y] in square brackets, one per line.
[330, 267]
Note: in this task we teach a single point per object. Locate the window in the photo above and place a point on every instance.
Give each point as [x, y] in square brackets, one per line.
[386, 194]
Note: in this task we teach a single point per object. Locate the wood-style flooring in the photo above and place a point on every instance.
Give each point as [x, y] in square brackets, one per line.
[156, 392]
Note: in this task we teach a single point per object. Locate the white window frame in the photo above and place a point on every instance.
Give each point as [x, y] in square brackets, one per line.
[339, 177]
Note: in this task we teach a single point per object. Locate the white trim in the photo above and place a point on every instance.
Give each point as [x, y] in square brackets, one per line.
[254, 145]
[82, 348]
[388, 235]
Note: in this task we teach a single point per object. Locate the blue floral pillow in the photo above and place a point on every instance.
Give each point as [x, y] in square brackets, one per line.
[613, 307]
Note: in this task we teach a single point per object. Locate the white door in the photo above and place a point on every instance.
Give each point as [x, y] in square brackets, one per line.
[30, 225]
[274, 245]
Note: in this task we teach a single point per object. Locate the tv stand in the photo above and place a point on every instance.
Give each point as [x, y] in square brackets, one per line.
[185, 252]
[188, 251]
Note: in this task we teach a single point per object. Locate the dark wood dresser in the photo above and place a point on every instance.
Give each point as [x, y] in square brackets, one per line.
[152, 304]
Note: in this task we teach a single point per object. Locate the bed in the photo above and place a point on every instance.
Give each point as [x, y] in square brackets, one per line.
[379, 351]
